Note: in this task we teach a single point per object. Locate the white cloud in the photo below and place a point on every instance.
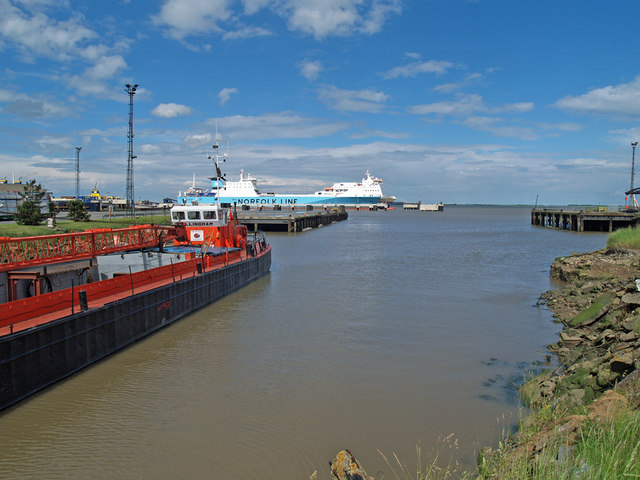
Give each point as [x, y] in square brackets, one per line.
[493, 125]
[560, 127]
[448, 87]
[623, 100]
[105, 67]
[148, 149]
[95, 80]
[225, 94]
[380, 12]
[198, 139]
[464, 104]
[28, 106]
[311, 69]
[188, 17]
[253, 6]
[625, 135]
[247, 32]
[415, 68]
[37, 35]
[57, 143]
[590, 164]
[520, 107]
[275, 125]
[320, 18]
[468, 104]
[470, 79]
[171, 110]
[366, 101]
[34, 34]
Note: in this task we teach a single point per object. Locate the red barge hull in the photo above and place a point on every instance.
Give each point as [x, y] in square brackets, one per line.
[115, 287]
[37, 357]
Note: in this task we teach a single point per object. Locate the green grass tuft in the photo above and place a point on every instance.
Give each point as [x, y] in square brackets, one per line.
[624, 238]
[605, 448]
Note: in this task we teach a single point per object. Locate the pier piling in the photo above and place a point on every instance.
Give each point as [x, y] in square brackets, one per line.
[583, 220]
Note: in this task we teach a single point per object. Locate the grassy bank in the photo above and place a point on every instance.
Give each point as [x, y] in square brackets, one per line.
[599, 441]
[624, 238]
[66, 226]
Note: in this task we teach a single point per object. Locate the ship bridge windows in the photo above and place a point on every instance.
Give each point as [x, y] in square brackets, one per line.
[194, 214]
[177, 216]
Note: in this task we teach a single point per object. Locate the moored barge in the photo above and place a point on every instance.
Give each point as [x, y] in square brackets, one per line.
[68, 301]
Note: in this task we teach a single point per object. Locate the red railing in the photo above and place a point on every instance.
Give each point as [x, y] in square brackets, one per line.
[67, 301]
[41, 250]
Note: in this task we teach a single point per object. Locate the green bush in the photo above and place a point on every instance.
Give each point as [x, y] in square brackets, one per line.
[77, 211]
[28, 212]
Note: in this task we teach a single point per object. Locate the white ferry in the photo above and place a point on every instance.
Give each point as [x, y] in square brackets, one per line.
[365, 193]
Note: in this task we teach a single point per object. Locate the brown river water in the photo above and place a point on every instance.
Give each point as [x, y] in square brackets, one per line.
[382, 332]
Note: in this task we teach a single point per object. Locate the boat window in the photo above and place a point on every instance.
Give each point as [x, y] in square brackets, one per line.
[209, 215]
[193, 215]
[177, 216]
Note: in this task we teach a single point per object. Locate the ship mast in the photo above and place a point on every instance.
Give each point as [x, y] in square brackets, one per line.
[216, 162]
[218, 172]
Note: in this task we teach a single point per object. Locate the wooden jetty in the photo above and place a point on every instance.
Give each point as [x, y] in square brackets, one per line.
[289, 221]
[583, 220]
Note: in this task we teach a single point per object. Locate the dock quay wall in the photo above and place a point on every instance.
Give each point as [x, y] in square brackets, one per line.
[31, 360]
[583, 220]
[288, 221]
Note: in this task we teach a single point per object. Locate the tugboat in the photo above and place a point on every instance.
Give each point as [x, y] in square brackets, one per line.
[68, 301]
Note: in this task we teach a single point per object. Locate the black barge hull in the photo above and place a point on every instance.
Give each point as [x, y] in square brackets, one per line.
[34, 359]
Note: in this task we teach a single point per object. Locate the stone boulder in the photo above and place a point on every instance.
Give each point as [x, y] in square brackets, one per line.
[346, 467]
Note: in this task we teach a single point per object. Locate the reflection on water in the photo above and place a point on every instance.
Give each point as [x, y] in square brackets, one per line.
[385, 330]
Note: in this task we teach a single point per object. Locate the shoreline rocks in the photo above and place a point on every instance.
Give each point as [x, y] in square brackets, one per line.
[599, 307]
[598, 352]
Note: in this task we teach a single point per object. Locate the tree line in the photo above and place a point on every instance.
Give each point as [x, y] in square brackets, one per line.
[29, 211]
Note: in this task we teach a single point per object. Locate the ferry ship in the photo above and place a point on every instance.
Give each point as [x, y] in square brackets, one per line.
[244, 192]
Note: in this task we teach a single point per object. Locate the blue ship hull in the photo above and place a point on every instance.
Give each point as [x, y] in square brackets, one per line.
[282, 200]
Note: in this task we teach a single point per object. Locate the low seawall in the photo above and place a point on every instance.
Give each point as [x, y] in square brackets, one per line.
[34, 359]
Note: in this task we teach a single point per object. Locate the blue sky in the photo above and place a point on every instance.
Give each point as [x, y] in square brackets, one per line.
[484, 101]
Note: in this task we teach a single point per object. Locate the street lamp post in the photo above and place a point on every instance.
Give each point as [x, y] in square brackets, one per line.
[634, 202]
[131, 203]
[78, 171]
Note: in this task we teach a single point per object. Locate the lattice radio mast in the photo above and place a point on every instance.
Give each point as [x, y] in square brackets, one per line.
[131, 203]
